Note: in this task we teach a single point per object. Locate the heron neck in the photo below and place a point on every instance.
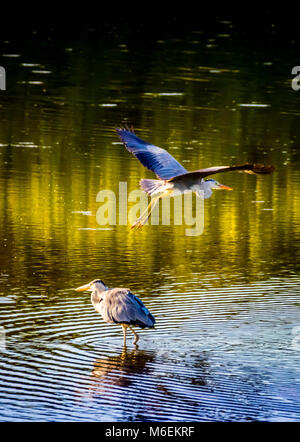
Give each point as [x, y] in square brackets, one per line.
[97, 295]
[205, 188]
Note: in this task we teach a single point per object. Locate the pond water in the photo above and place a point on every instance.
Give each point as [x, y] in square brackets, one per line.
[226, 302]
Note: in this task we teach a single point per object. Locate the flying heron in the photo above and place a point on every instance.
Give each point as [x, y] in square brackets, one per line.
[119, 306]
[173, 178]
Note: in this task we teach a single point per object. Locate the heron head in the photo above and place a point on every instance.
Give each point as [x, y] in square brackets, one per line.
[97, 284]
[215, 185]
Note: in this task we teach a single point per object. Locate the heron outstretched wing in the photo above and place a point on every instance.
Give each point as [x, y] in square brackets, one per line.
[202, 173]
[155, 158]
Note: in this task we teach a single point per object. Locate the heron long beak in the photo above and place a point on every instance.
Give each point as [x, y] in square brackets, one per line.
[83, 288]
[222, 186]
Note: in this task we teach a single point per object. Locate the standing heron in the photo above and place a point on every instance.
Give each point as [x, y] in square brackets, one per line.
[119, 306]
[173, 178]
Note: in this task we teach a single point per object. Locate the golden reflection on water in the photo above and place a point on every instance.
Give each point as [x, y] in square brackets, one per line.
[50, 199]
[59, 149]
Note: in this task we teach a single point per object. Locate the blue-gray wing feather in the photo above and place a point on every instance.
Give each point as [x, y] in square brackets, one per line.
[155, 158]
[122, 307]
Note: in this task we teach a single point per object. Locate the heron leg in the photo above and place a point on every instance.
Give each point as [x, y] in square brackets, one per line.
[124, 334]
[145, 215]
[136, 336]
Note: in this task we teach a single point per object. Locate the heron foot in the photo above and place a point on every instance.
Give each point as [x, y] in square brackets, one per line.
[136, 339]
[136, 336]
[139, 223]
[145, 215]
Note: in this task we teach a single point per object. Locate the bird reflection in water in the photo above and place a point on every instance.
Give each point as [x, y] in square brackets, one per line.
[119, 381]
[112, 377]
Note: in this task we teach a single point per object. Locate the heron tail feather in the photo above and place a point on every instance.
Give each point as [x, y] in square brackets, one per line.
[152, 187]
